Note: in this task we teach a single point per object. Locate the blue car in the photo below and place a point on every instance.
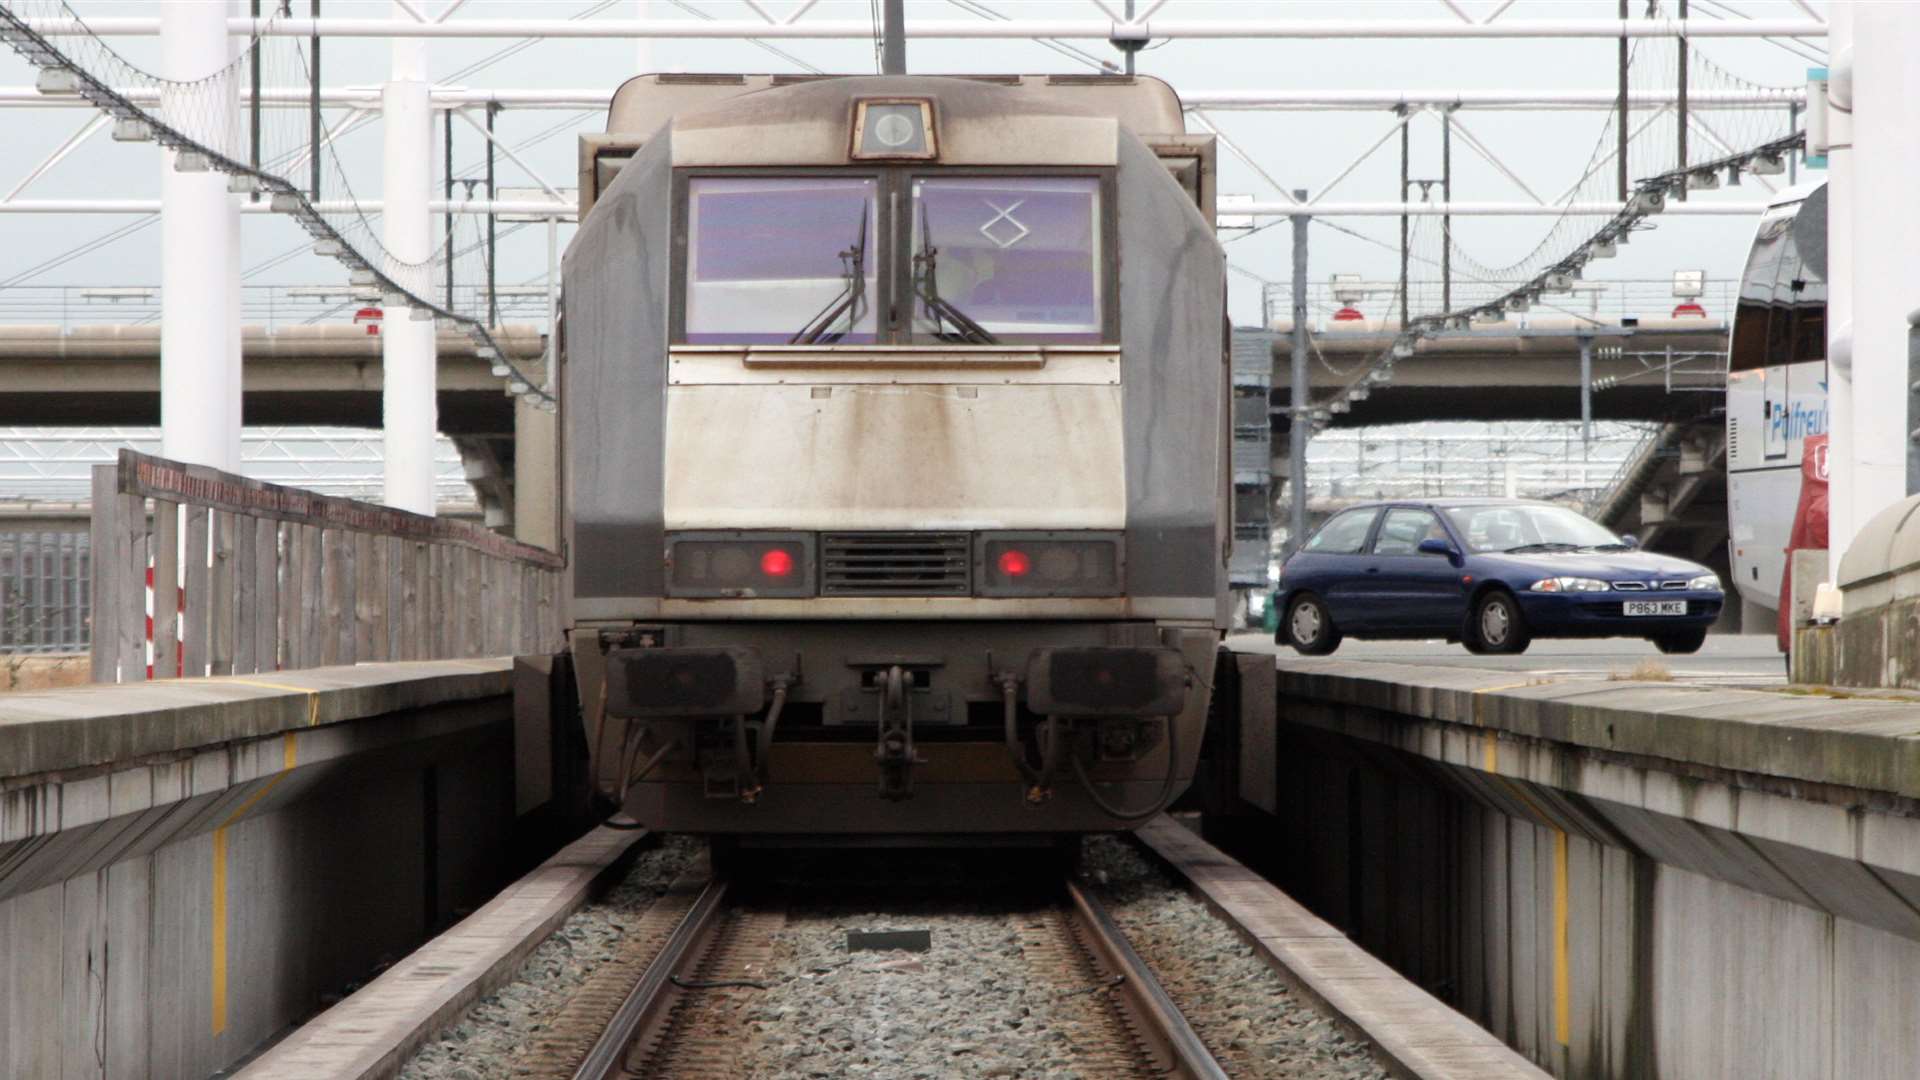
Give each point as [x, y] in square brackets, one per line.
[1492, 574]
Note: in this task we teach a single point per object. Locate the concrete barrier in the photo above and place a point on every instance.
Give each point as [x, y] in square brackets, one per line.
[1877, 641]
[1620, 879]
[187, 867]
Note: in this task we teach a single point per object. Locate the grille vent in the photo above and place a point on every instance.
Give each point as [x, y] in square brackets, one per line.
[1630, 586]
[894, 564]
[1673, 585]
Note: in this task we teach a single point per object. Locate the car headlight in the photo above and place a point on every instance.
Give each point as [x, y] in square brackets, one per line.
[1705, 583]
[1568, 584]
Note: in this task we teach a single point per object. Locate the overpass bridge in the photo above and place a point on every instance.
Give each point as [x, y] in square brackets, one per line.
[1645, 370]
[108, 374]
[1671, 494]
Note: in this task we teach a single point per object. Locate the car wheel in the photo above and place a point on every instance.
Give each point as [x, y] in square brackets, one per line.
[1686, 642]
[1497, 625]
[1308, 627]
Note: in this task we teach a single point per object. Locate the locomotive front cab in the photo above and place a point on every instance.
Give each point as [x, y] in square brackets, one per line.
[895, 490]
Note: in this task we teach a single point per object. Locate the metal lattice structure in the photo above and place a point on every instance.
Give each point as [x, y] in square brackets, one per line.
[203, 137]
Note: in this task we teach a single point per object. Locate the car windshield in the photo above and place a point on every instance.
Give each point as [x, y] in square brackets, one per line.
[1006, 259]
[1528, 528]
[781, 260]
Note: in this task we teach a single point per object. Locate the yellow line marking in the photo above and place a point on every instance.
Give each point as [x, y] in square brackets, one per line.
[313, 696]
[1562, 1006]
[1477, 719]
[1562, 1023]
[289, 754]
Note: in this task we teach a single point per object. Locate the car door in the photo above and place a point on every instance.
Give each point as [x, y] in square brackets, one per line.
[1331, 564]
[1409, 590]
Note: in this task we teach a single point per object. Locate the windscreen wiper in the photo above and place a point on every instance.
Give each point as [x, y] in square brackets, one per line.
[852, 300]
[1609, 547]
[1550, 545]
[925, 287]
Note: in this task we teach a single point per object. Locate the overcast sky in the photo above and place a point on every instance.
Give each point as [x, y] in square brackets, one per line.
[1546, 150]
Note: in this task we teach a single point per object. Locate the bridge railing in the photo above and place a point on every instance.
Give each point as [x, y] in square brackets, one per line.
[264, 578]
[271, 307]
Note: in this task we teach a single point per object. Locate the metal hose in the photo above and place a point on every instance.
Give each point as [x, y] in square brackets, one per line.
[766, 730]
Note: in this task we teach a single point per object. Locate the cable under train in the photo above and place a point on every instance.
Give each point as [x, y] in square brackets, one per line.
[896, 472]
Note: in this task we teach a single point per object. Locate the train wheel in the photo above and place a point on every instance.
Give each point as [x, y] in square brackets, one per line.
[1309, 627]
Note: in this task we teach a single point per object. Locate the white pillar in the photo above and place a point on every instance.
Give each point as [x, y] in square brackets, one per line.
[408, 409]
[199, 243]
[1840, 449]
[1882, 170]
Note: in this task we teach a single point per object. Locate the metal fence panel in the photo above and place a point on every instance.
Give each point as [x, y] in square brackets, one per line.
[45, 594]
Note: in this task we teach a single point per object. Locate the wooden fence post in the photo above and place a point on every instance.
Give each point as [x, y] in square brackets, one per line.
[369, 598]
[196, 617]
[220, 621]
[245, 609]
[166, 589]
[270, 639]
[108, 541]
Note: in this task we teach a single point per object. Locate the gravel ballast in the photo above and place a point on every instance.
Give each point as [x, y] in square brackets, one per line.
[1254, 1024]
[482, 1044]
[985, 1001]
[1001, 993]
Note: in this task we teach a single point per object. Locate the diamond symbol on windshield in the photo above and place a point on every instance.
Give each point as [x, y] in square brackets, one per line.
[1003, 228]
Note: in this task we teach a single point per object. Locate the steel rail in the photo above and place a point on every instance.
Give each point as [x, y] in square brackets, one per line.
[604, 1059]
[1166, 1025]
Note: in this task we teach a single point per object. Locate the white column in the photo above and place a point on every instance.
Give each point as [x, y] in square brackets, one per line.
[199, 235]
[1883, 170]
[1839, 285]
[407, 406]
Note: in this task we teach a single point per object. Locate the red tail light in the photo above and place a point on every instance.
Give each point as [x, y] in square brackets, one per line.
[1058, 563]
[739, 564]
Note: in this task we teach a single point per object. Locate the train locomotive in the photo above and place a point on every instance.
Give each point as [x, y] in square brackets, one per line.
[896, 473]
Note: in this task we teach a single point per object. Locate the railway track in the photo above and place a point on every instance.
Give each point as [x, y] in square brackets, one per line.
[687, 1013]
[671, 973]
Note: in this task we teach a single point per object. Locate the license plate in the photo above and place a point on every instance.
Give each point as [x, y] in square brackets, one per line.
[1656, 607]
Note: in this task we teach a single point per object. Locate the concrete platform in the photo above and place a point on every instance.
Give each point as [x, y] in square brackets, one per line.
[1415, 1031]
[1618, 878]
[186, 866]
[372, 1032]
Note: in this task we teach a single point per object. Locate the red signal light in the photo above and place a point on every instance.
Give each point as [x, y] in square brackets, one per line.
[776, 563]
[1014, 563]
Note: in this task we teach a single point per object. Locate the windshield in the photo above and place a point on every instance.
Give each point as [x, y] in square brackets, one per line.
[781, 260]
[1006, 259]
[1528, 528]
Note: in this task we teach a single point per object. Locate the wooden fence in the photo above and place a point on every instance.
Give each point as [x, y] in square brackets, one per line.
[276, 578]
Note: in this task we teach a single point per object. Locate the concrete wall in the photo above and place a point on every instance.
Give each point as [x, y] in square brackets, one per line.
[165, 916]
[1608, 914]
[1525, 910]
